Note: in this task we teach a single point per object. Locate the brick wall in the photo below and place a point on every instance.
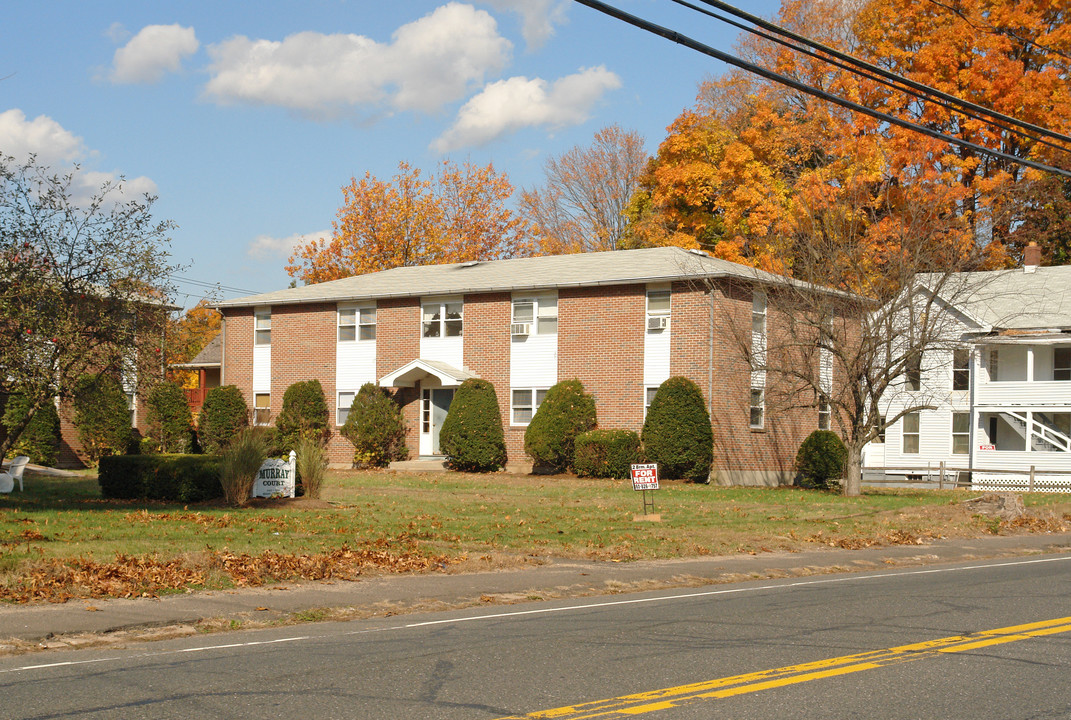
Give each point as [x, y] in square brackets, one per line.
[397, 343]
[487, 351]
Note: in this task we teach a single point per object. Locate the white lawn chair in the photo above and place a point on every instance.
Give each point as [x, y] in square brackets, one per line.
[14, 472]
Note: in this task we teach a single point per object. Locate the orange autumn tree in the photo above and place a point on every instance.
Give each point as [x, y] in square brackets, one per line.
[187, 336]
[456, 215]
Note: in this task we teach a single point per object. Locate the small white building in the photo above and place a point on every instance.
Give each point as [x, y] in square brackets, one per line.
[1000, 390]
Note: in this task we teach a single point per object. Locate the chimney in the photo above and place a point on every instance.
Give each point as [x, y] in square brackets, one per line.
[1031, 256]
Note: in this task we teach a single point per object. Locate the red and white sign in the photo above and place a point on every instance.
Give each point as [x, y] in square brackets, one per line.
[987, 447]
[645, 476]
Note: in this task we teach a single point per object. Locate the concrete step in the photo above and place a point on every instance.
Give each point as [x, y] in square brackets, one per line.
[430, 464]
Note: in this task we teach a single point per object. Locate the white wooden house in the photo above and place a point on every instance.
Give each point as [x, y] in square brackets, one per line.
[1001, 388]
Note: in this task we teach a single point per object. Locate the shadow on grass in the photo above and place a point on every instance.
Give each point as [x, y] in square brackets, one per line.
[53, 492]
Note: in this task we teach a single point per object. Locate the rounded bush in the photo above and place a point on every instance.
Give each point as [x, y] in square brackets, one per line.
[565, 412]
[39, 440]
[677, 433]
[304, 415]
[471, 437]
[101, 416]
[376, 428]
[169, 418]
[606, 453]
[821, 458]
[223, 415]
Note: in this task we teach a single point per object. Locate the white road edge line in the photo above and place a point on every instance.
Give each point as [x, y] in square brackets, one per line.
[545, 611]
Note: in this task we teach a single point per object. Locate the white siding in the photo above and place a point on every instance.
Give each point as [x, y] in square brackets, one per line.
[449, 350]
[656, 348]
[262, 368]
[533, 358]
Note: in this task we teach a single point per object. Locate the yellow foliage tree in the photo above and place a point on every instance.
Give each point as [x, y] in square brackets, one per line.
[187, 336]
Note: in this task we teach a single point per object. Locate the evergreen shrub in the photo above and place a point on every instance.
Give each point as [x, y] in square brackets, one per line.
[606, 453]
[169, 418]
[174, 478]
[820, 459]
[39, 440]
[471, 437]
[223, 415]
[677, 433]
[101, 416]
[565, 412]
[304, 415]
[376, 428]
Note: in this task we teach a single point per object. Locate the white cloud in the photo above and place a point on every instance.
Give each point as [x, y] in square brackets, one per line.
[538, 16]
[429, 62]
[59, 149]
[510, 105]
[155, 50]
[266, 247]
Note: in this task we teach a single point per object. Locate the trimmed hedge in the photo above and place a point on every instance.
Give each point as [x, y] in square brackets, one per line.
[170, 419]
[565, 412]
[376, 428]
[606, 453]
[304, 415]
[821, 458]
[39, 440]
[471, 437]
[176, 478]
[677, 433]
[223, 414]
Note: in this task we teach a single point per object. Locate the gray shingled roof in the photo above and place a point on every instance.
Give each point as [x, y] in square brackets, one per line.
[554, 271]
[1015, 299]
[210, 356]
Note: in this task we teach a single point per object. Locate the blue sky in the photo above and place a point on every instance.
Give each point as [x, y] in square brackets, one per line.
[246, 119]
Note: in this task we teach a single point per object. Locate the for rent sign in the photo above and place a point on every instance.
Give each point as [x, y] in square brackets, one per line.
[645, 476]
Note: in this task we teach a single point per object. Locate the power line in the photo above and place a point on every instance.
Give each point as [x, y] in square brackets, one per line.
[692, 44]
[861, 68]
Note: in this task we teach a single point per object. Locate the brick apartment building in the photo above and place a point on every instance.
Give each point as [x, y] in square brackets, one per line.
[621, 322]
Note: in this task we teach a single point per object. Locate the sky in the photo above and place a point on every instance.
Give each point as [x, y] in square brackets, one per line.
[245, 120]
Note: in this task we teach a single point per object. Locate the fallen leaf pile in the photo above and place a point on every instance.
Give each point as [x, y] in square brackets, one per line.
[55, 580]
[893, 537]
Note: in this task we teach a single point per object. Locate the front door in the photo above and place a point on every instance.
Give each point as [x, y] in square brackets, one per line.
[435, 404]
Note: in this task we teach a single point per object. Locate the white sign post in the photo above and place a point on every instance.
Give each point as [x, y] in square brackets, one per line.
[644, 478]
[276, 478]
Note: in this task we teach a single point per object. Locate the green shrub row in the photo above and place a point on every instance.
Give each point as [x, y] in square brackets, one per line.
[177, 478]
[606, 453]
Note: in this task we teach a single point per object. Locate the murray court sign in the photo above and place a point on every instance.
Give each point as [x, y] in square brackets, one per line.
[276, 478]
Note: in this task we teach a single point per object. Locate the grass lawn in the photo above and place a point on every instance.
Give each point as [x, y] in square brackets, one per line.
[59, 539]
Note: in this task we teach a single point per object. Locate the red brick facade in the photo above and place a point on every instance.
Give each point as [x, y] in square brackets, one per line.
[600, 341]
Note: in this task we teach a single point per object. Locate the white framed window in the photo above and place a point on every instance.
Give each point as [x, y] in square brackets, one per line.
[758, 409]
[758, 313]
[443, 319]
[910, 424]
[659, 307]
[1061, 363]
[345, 400]
[524, 402]
[535, 315]
[823, 412]
[261, 408]
[648, 398]
[356, 323]
[961, 369]
[262, 327]
[961, 433]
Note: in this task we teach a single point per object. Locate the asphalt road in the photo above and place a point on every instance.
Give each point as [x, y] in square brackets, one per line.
[984, 640]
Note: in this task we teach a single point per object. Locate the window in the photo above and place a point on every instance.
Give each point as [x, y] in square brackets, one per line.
[658, 310]
[823, 412]
[758, 313]
[540, 314]
[961, 433]
[648, 398]
[443, 319]
[910, 424]
[356, 324]
[524, 404]
[262, 327]
[961, 369]
[131, 405]
[757, 408]
[261, 408]
[879, 430]
[1061, 363]
[345, 399]
[913, 373]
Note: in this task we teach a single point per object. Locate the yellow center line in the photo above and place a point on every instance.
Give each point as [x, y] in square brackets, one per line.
[720, 688]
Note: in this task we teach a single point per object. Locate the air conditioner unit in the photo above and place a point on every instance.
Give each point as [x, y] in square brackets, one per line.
[520, 329]
[658, 322]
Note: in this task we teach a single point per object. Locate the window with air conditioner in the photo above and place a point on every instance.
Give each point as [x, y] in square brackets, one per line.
[658, 310]
[537, 315]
